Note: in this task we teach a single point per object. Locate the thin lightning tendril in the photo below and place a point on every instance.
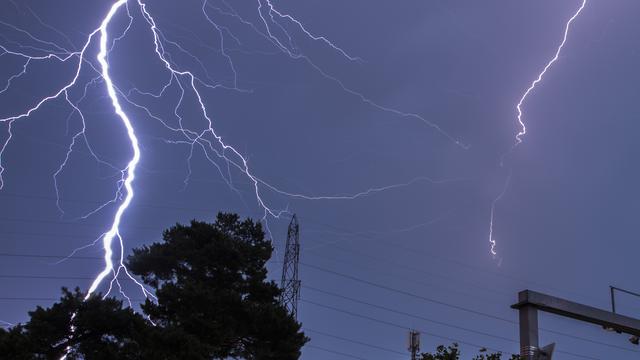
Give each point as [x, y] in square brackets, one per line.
[492, 241]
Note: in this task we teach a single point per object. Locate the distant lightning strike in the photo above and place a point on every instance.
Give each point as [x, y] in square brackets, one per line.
[206, 139]
[492, 240]
[523, 127]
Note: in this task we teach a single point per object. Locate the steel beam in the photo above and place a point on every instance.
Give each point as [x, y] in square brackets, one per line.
[573, 310]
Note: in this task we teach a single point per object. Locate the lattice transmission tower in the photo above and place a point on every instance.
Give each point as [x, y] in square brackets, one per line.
[290, 283]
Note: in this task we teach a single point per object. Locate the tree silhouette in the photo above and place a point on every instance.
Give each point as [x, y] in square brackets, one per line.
[213, 295]
[452, 352]
[102, 329]
[213, 302]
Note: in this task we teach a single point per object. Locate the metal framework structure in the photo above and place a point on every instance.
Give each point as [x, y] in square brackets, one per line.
[290, 282]
[530, 302]
[613, 296]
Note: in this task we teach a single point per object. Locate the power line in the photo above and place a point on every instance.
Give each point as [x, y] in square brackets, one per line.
[352, 300]
[332, 294]
[391, 324]
[415, 269]
[354, 341]
[344, 311]
[361, 254]
[28, 298]
[361, 302]
[45, 277]
[72, 257]
[306, 329]
[461, 308]
[327, 271]
[99, 258]
[407, 293]
[353, 278]
[61, 257]
[395, 325]
[86, 257]
[432, 255]
[11, 298]
[409, 279]
[306, 219]
[137, 204]
[50, 256]
[45, 235]
[335, 352]
[42, 221]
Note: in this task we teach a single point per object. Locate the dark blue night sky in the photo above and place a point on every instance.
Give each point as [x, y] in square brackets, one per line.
[384, 135]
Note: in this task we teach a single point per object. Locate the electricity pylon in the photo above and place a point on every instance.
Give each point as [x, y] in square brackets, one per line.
[290, 283]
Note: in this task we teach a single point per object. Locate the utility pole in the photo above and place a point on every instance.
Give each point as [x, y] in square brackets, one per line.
[290, 283]
[414, 344]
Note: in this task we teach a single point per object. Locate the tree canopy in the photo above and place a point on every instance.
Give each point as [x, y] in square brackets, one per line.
[213, 293]
[102, 329]
[214, 301]
[452, 352]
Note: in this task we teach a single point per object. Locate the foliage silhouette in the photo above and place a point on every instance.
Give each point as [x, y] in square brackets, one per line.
[214, 301]
[452, 352]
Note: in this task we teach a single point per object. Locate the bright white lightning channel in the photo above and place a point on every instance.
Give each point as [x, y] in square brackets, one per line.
[114, 232]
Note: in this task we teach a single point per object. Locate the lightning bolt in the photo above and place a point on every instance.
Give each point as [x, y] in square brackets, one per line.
[272, 10]
[223, 156]
[523, 127]
[567, 27]
[492, 241]
[270, 35]
[129, 173]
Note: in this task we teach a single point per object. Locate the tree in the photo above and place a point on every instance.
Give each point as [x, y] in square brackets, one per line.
[102, 329]
[443, 353]
[213, 297]
[213, 302]
[452, 352]
[14, 344]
